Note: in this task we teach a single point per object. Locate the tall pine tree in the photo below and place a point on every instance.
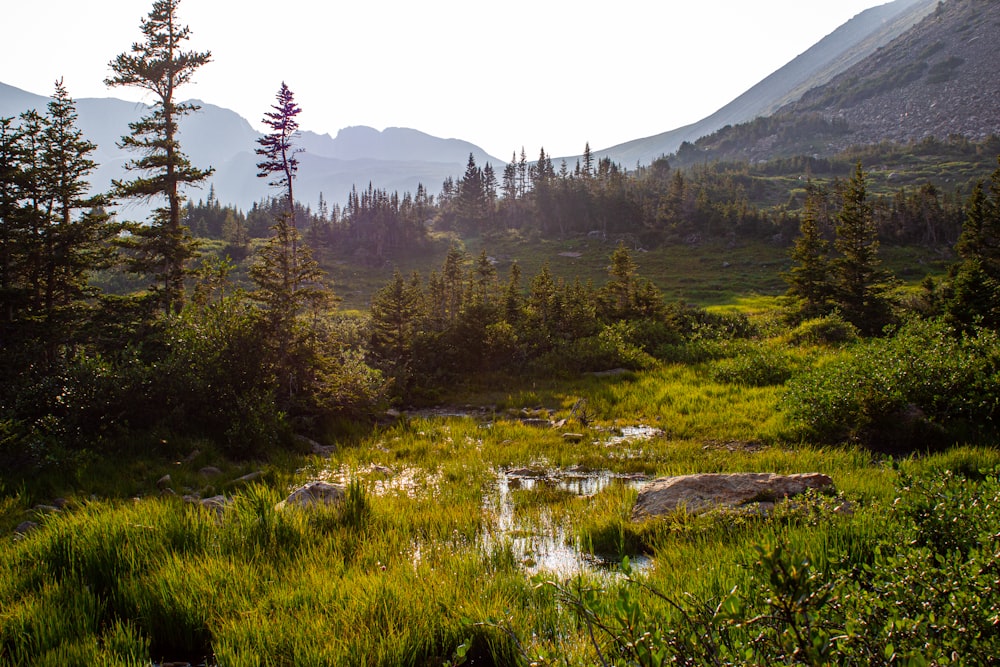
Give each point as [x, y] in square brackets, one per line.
[860, 285]
[160, 65]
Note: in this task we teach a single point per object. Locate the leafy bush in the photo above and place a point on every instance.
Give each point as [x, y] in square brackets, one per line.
[611, 348]
[831, 329]
[911, 389]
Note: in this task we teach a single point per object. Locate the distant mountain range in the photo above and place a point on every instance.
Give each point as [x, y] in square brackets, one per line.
[395, 159]
[905, 69]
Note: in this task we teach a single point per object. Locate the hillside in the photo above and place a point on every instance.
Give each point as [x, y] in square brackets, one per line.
[848, 45]
[936, 80]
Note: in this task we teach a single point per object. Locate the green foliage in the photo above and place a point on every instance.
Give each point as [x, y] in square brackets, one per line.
[755, 365]
[908, 390]
[827, 330]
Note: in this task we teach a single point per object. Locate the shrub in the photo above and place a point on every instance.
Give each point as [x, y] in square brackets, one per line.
[912, 389]
[831, 329]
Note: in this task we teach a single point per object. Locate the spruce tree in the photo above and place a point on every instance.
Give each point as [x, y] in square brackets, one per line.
[975, 280]
[860, 285]
[287, 277]
[160, 66]
[809, 278]
[76, 238]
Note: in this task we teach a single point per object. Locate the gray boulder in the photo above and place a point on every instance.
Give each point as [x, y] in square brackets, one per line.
[702, 492]
[313, 494]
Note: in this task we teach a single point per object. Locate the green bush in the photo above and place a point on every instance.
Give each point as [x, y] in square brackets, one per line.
[916, 388]
[828, 330]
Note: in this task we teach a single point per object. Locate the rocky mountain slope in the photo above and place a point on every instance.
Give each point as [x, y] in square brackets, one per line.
[936, 80]
[848, 45]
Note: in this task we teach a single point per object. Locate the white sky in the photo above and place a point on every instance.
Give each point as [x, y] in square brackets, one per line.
[532, 73]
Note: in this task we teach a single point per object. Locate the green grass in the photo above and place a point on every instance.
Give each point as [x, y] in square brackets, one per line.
[416, 563]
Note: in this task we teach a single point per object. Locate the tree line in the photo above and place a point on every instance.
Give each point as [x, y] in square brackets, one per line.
[248, 365]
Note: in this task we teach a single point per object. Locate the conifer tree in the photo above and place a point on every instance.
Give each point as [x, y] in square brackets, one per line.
[809, 278]
[287, 277]
[587, 168]
[160, 66]
[860, 284]
[76, 237]
[394, 313]
[975, 280]
[12, 233]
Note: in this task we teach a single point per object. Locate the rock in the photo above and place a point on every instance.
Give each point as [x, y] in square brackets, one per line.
[61, 503]
[25, 527]
[313, 493]
[534, 421]
[163, 482]
[209, 471]
[46, 509]
[216, 503]
[249, 477]
[531, 473]
[572, 437]
[610, 373]
[702, 492]
[192, 456]
[316, 448]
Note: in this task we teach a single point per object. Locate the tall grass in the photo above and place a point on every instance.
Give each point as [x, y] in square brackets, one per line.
[414, 565]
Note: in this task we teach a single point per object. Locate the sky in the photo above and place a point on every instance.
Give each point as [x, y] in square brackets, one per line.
[552, 74]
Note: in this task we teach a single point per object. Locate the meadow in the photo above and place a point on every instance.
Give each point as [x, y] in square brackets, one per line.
[486, 535]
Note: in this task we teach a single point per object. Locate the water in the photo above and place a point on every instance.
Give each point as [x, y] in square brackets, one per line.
[546, 545]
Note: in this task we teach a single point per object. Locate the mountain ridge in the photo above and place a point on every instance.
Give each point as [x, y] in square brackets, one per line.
[394, 159]
[850, 43]
[936, 80]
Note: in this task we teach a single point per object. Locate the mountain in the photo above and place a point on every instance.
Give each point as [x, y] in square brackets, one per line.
[937, 79]
[395, 159]
[849, 44]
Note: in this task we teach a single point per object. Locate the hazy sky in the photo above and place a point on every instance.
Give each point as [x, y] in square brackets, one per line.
[532, 73]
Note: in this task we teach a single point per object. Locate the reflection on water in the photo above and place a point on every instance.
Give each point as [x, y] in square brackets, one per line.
[546, 544]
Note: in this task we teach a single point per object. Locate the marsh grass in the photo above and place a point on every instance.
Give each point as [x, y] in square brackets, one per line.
[415, 563]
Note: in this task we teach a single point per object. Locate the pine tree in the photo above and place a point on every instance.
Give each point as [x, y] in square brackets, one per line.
[588, 162]
[975, 280]
[76, 238]
[618, 294]
[394, 313]
[809, 278]
[287, 277]
[859, 283]
[160, 65]
[277, 148]
[12, 231]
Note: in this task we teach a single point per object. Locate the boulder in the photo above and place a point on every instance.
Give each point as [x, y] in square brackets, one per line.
[209, 471]
[25, 527]
[702, 492]
[315, 448]
[313, 493]
[216, 503]
[249, 477]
